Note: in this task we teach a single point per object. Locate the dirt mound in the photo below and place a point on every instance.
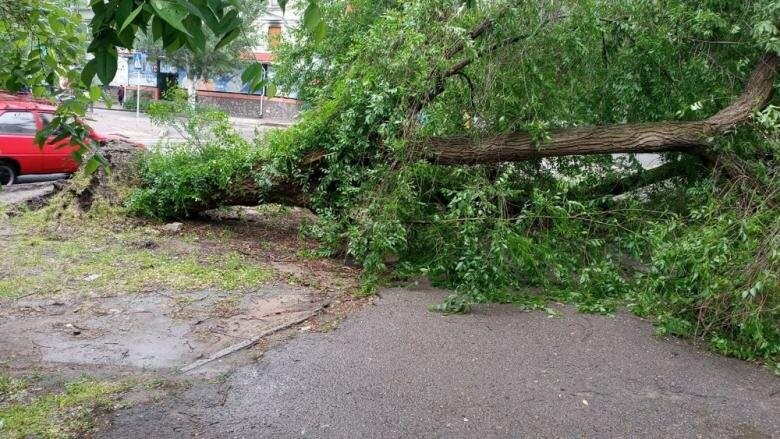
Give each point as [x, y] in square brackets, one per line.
[108, 183]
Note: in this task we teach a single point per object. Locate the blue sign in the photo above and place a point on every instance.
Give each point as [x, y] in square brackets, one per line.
[139, 62]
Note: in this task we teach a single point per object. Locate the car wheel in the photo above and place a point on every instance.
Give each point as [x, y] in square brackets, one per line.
[7, 175]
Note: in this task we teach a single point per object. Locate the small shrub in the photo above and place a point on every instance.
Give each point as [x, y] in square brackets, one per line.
[130, 99]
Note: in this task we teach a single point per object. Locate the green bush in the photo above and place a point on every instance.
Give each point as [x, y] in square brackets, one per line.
[195, 122]
[716, 274]
[130, 99]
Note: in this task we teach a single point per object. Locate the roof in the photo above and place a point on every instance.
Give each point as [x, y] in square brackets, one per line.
[15, 102]
[259, 56]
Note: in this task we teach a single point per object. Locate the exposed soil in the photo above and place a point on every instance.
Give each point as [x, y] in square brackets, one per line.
[149, 331]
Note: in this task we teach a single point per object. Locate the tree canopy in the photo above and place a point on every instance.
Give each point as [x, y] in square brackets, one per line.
[41, 41]
[210, 62]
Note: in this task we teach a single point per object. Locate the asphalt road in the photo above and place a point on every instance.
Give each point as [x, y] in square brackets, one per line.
[124, 124]
[396, 370]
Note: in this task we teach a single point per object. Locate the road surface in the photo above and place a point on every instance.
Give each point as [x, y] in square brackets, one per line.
[124, 124]
[395, 370]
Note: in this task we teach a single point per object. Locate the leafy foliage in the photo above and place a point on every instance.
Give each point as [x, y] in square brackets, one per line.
[212, 160]
[40, 41]
[213, 59]
[195, 123]
[131, 101]
[175, 24]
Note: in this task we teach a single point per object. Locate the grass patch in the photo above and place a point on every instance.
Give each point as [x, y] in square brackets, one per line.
[68, 414]
[110, 255]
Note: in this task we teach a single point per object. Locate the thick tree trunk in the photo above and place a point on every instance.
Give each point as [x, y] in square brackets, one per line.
[626, 138]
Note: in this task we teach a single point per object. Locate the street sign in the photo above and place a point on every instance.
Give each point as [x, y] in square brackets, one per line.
[139, 62]
[139, 66]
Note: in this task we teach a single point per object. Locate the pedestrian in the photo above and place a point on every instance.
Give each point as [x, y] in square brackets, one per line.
[120, 94]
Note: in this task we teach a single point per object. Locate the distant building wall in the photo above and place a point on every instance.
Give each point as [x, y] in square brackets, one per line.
[247, 105]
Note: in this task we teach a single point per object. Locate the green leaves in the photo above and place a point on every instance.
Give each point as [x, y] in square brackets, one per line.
[312, 16]
[40, 41]
[172, 13]
[253, 76]
[106, 64]
[227, 39]
[176, 23]
[89, 71]
[130, 18]
[316, 27]
[95, 92]
[92, 165]
[320, 31]
[270, 90]
[251, 72]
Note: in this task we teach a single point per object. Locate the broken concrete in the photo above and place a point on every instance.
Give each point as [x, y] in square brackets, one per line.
[149, 331]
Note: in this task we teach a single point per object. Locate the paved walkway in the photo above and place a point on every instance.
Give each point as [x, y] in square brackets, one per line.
[396, 370]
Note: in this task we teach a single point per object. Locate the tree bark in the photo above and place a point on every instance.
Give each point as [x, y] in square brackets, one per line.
[690, 137]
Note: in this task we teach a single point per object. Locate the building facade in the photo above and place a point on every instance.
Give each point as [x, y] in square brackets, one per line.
[227, 90]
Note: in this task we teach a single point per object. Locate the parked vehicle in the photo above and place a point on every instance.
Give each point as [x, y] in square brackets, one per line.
[20, 120]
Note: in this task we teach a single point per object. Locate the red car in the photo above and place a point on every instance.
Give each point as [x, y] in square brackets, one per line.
[20, 119]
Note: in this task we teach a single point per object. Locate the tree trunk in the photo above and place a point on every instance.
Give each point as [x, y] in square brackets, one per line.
[689, 137]
[626, 138]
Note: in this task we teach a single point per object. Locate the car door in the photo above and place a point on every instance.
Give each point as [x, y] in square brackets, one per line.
[17, 140]
[57, 156]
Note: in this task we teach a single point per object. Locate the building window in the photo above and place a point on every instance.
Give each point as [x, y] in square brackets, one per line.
[274, 35]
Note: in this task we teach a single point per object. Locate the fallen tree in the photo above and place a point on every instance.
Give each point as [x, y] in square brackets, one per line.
[478, 157]
[694, 138]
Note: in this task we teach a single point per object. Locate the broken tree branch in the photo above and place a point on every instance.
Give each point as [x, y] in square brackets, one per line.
[643, 178]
